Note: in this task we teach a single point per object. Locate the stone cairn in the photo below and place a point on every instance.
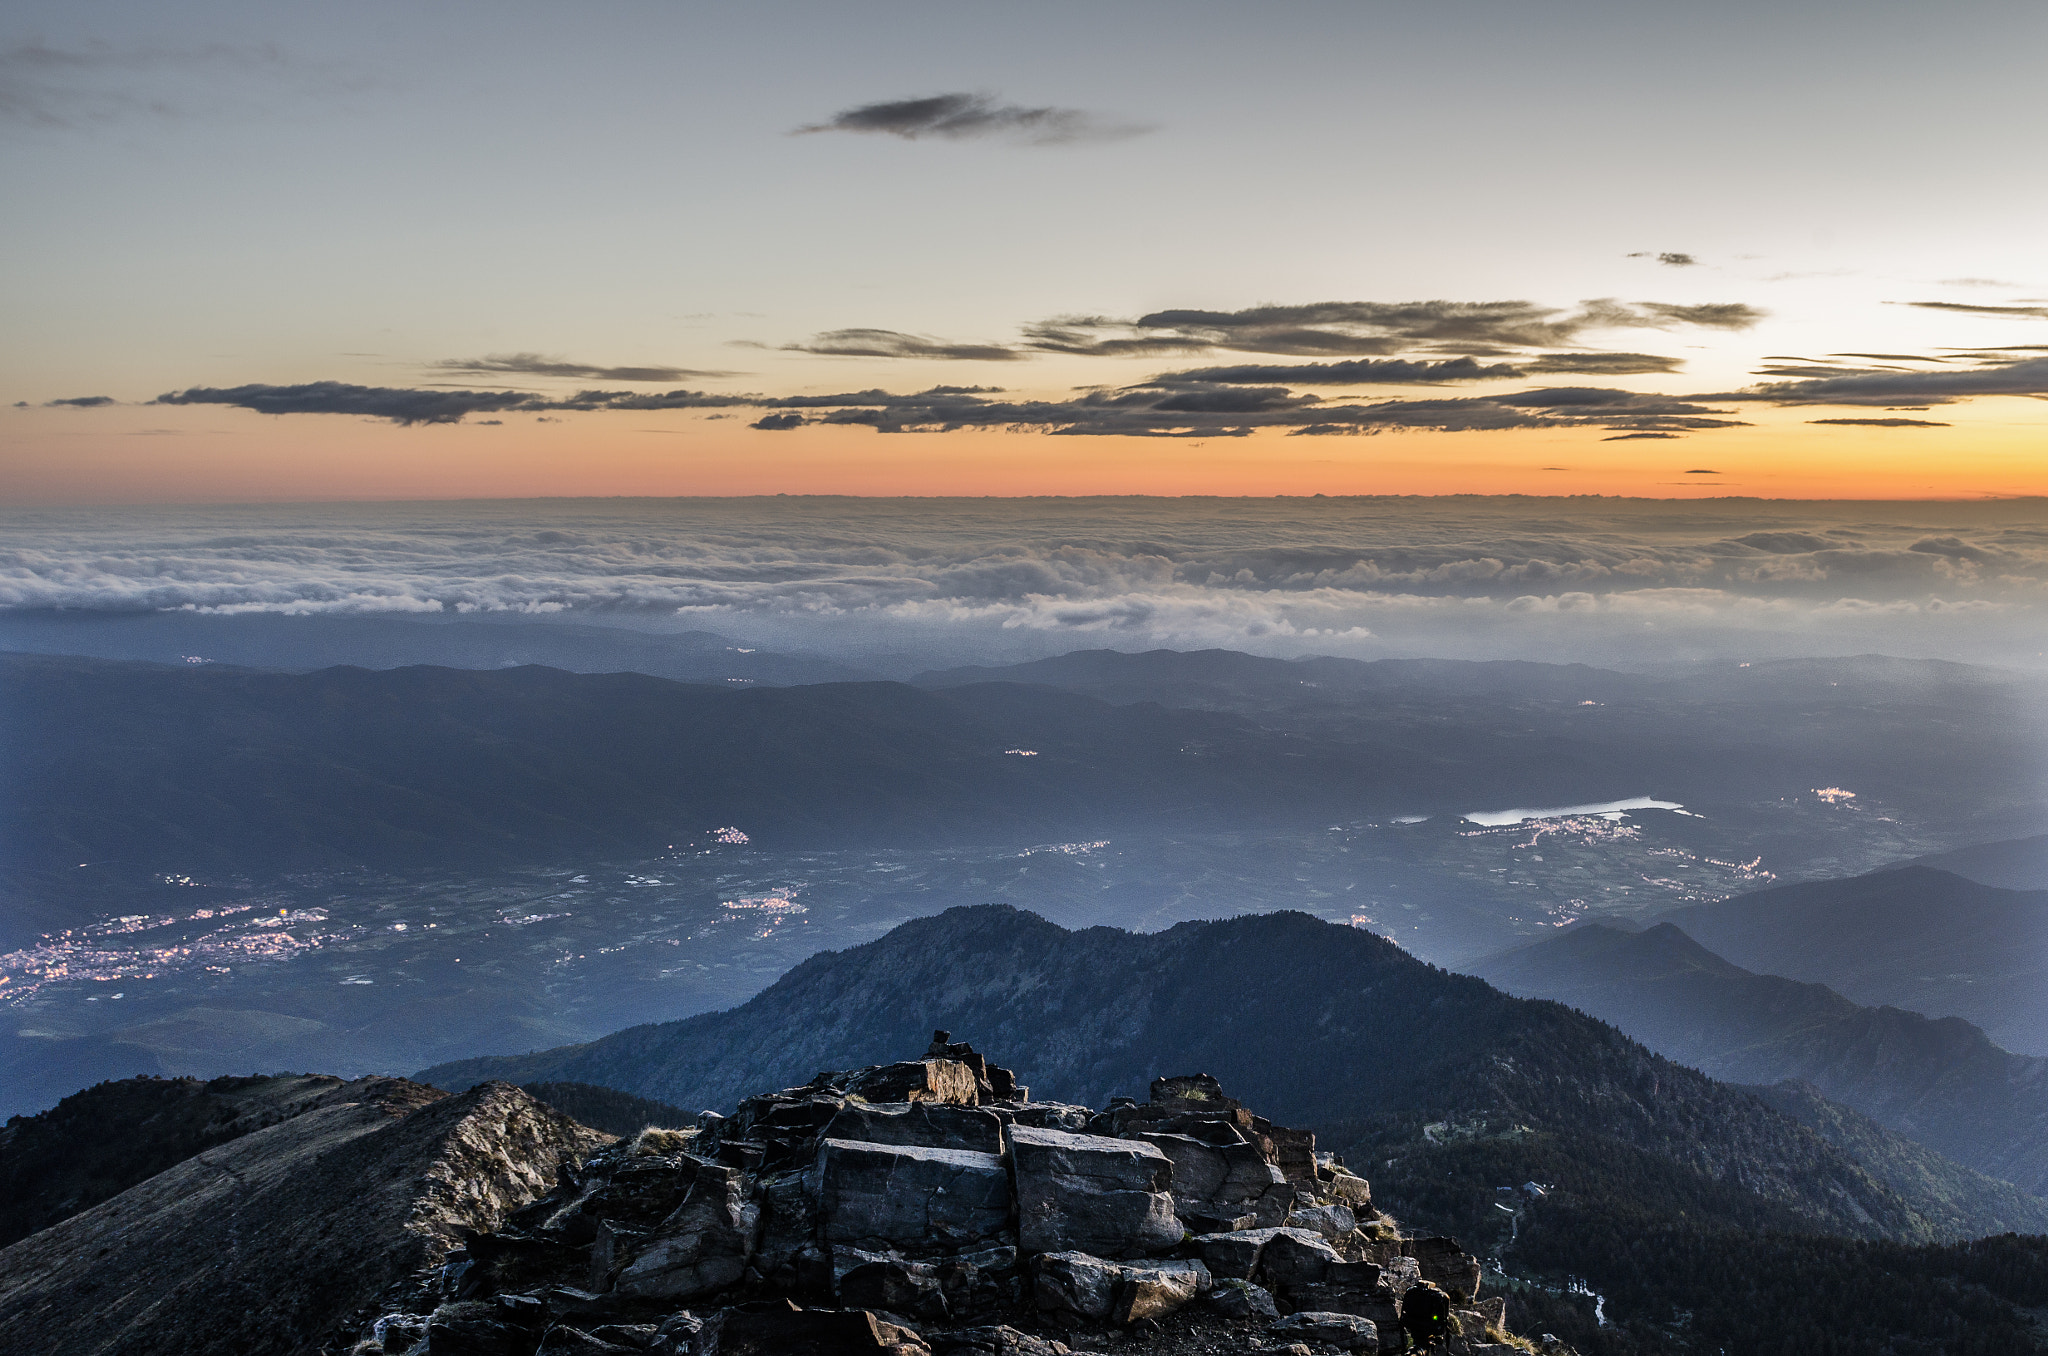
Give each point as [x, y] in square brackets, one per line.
[931, 1208]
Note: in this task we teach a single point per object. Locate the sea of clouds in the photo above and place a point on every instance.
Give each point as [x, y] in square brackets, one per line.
[1605, 581]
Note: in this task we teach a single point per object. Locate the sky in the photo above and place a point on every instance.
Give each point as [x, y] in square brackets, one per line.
[279, 252]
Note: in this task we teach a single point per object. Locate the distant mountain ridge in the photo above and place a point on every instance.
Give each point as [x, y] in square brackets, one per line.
[1913, 937]
[237, 770]
[2018, 864]
[301, 643]
[1943, 1083]
[1330, 1027]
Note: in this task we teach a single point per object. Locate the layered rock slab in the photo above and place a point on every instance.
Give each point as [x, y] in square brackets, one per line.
[274, 1242]
[908, 1196]
[1093, 1194]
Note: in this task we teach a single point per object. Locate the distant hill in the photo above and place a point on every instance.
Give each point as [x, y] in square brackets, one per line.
[2020, 864]
[1937, 1185]
[1942, 1083]
[206, 767]
[1953, 744]
[183, 768]
[1915, 938]
[1230, 676]
[273, 641]
[1318, 1024]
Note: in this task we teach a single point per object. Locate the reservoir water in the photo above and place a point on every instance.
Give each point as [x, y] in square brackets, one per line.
[1608, 808]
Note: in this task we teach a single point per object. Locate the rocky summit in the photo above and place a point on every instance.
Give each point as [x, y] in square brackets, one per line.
[931, 1208]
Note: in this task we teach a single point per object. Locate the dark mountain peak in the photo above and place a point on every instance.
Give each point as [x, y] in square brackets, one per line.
[1913, 936]
[1326, 1026]
[1600, 948]
[2018, 864]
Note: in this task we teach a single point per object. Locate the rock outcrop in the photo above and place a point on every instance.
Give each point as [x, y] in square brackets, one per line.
[97, 1143]
[956, 1218]
[289, 1238]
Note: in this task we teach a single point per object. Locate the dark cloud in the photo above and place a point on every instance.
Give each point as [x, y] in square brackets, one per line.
[2025, 377]
[539, 365]
[1622, 438]
[869, 343]
[962, 116]
[1356, 372]
[92, 84]
[82, 402]
[777, 423]
[1600, 364]
[2021, 312]
[1365, 328]
[1703, 471]
[1884, 423]
[1719, 315]
[1181, 409]
[399, 405]
[650, 400]
[1784, 543]
[1675, 258]
[1631, 403]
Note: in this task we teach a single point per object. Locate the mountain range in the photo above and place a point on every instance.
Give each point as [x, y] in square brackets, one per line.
[218, 768]
[2017, 864]
[1916, 938]
[1940, 1082]
[299, 643]
[213, 768]
[1331, 1027]
[1701, 1216]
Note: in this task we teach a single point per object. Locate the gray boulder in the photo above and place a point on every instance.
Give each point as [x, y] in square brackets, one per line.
[1242, 1300]
[1444, 1264]
[1075, 1283]
[1233, 1255]
[889, 1282]
[789, 1225]
[1092, 1287]
[1292, 1260]
[1051, 1116]
[1092, 1194]
[1157, 1289]
[1225, 1180]
[918, 1080]
[883, 1196]
[994, 1340]
[931, 1125]
[782, 1329]
[702, 1246]
[1349, 1188]
[1348, 1331]
[1331, 1221]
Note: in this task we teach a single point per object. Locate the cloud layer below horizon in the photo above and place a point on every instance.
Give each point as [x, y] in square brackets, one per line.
[967, 581]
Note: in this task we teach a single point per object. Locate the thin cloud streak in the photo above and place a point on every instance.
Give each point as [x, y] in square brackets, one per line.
[960, 117]
[540, 365]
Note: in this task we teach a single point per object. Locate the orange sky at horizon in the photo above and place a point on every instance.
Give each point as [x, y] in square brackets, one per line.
[139, 454]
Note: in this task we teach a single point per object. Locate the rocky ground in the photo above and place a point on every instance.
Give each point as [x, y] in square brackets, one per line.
[930, 1208]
